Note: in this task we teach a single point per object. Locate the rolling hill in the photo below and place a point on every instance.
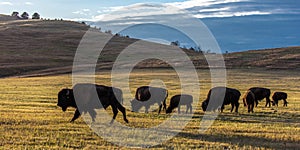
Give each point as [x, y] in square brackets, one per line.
[47, 47]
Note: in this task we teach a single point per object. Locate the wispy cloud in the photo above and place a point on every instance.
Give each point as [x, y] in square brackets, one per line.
[84, 11]
[203, 3]
[6, 3]
[197, 8]
[28, 3]
[231, 14]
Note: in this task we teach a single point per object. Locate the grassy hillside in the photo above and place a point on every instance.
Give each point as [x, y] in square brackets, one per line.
[279, 58]
[43, 47]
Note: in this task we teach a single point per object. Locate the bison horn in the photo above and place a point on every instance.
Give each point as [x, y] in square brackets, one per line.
[68, 92]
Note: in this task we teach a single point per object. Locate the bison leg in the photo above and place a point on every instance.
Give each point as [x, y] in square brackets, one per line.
[178, 109]
[123, 110]
[285, 102]
[160, 106]
[165, 105]
[237, 107]
[222, 108]
[147, 109]
[251, 108]
[256, 102]
[115, 111]
[76, 115]
[268, 102]
[232, 106]
[93, 114]
[191, 108]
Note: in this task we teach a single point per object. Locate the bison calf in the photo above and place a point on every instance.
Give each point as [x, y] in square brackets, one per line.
[279, 96]
[178, 100]
[218, 94]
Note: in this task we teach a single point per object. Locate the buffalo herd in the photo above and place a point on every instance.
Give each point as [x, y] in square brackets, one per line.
[146, 96]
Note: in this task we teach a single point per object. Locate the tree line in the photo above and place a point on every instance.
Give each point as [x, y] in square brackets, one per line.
[25, 15]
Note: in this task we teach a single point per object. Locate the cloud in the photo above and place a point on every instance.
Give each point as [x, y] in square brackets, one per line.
[203, 3]
[6, 3]
[85, 12]
[197, 8]
[135, 11]
[28, 3]
[231, 14]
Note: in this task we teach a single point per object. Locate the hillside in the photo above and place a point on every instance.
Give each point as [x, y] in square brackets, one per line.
[45, 47]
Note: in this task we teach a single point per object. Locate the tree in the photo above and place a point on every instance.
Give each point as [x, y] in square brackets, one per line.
[25, 15]
[15, 14]
[175, 43]
[36, 16]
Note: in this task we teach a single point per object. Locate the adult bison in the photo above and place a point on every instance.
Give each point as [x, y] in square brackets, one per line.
[279, 96]
[83, 93]
[261, 93]
[249, 100]
[225, 94]
[178, 100]
[147, 96]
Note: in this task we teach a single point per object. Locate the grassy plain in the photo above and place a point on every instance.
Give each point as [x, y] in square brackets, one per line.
[30, 118]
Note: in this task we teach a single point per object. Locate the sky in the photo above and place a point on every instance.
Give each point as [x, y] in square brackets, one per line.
[90, 9]
[236, 24]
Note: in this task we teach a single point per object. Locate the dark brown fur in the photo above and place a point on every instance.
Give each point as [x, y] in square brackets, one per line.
[249, 100]
[178, 100]
[147, 96]
[260, 94]
[279, 96]
[108, 96]
[227, 95]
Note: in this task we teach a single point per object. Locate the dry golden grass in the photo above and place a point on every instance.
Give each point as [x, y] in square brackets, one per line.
[30, 118]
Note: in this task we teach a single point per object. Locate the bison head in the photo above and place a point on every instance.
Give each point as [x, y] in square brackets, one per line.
[65, 99]
[204, 105]
[136, 105]
[169, 110]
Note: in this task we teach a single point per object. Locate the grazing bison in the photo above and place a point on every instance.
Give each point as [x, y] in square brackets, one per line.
[147, 96]
[279, 96]
[108, 96]
[260, 94]
[178, 100]
[227, 95]
[249, 100]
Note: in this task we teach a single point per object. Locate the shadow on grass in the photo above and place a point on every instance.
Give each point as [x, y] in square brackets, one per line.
[242, 140]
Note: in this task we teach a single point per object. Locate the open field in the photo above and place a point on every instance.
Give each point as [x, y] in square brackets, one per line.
[30, 118]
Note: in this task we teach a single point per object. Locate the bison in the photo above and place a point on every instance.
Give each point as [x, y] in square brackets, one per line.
[178, 100]
[147, 96]
[249, 100]
[260, 94]
[279, 96]
[225, 94]
[83, 92]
